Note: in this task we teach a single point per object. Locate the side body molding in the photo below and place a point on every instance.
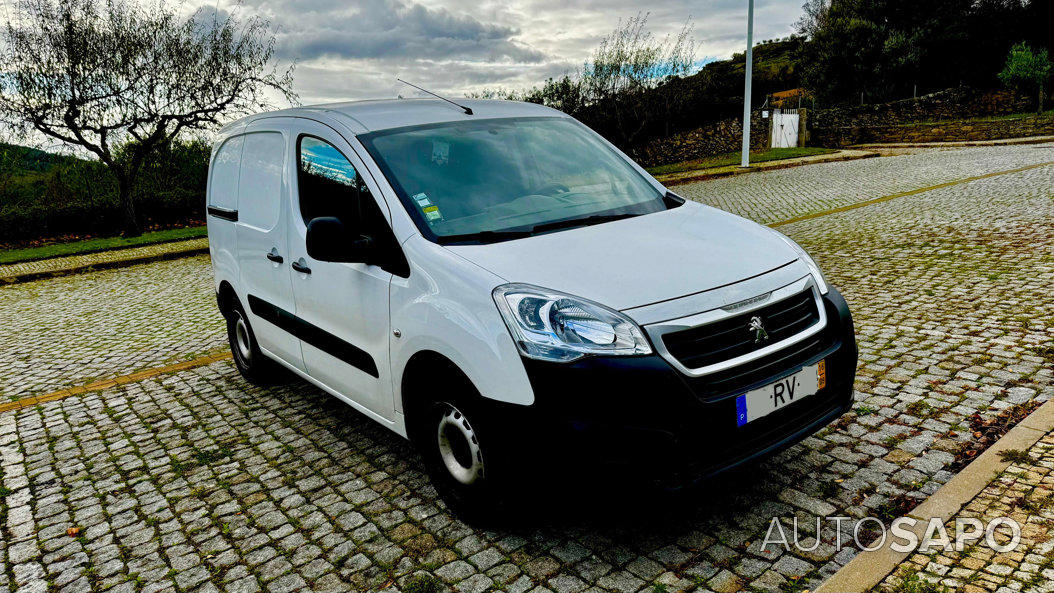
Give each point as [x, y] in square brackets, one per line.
[314, 335]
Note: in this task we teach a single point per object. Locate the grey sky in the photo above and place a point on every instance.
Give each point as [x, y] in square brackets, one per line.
[354, 50]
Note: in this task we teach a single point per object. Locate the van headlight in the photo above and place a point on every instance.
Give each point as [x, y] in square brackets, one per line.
[551, 325]
[817, 273]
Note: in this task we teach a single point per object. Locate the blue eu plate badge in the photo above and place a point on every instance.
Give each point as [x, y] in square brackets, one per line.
[741, 410]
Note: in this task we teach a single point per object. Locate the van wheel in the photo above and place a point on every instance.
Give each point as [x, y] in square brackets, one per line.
[457, 459]
[251, 363]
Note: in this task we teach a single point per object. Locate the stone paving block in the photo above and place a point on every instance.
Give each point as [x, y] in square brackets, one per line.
[79, 328]
[950, 294]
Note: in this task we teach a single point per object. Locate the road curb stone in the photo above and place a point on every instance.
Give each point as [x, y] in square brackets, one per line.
[102, 260]
[869, 568]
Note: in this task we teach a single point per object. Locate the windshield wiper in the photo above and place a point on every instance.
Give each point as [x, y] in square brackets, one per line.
[573, 222]
[508, 235]
[483, 237]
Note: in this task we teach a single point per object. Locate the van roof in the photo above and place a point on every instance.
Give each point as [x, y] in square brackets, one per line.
[372, 115]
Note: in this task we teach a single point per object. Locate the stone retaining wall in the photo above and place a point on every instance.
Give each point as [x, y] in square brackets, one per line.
[946, 131]
[947, 105]
[717, 138]
[945, 115]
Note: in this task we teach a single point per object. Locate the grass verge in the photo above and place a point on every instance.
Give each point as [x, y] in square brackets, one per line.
[95, 245]
[984, 118]
[732, 158]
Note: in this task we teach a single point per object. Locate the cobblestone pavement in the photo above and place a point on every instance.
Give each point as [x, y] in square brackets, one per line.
[66, 264]
[198, 480]
[1023, 492]
[671, 179]
[771, 196]
[73, 329]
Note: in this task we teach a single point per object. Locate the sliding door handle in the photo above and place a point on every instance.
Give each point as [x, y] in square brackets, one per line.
[273, 256]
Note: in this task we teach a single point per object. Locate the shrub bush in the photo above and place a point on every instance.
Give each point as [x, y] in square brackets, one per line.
[46, 195]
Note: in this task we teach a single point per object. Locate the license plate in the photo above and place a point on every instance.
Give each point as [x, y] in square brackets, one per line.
[761, 402]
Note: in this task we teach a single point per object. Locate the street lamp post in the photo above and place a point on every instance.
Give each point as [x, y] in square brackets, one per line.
[745, 162]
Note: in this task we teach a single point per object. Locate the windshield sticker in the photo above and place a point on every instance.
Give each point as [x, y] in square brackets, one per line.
[432, 213]
[430, 210]
[440, 152]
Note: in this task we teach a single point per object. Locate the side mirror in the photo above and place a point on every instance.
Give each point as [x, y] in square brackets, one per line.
[328, 240]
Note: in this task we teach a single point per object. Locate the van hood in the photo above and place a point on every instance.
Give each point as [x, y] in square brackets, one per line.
[641, 260]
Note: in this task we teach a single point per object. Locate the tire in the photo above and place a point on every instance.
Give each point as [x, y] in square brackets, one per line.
[251, 363]
[462, 463]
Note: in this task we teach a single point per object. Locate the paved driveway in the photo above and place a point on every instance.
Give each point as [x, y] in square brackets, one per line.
[196, 480]
[72, 329]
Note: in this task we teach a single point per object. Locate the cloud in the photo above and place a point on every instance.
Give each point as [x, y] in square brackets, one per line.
[341, 80]
[205, 16]
[395, 29]
[354, 50]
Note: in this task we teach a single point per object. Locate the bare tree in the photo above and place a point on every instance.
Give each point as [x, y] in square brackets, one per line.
[814, 17]
[119, 78]
[627, 64]
[629, 88]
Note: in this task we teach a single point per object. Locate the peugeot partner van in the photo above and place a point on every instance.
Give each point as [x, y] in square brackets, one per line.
[500, 285]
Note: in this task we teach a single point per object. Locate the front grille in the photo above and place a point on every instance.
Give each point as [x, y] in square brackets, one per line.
[761, 371]
[726, 339]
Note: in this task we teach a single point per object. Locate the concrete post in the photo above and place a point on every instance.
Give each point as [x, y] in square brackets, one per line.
[745, 161]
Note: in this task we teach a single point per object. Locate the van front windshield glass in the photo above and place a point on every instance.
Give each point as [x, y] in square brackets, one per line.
[498, 179]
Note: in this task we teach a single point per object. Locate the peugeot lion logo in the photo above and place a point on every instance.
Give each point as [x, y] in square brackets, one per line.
[760, 335]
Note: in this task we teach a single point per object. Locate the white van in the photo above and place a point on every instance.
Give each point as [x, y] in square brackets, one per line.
[506, 289]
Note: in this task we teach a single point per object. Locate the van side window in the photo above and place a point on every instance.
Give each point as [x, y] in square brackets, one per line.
[223, 192]
[329, 185]
[260, 188]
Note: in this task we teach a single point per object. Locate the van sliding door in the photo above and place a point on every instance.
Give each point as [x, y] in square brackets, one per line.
[263, 257]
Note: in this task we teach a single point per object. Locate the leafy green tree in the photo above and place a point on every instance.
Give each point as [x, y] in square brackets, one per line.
[883, 48]
[1026, 70]
[887, 48]
[49, 195]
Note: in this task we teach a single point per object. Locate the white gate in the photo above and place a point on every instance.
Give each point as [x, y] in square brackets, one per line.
[784, 128]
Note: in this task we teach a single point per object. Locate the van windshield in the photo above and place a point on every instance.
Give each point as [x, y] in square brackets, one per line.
[498, 179]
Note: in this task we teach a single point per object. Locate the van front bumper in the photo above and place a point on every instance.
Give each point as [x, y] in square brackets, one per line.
[639, 417]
